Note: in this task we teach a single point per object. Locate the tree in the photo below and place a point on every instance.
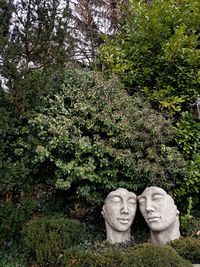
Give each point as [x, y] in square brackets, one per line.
[36, 37]
[91, 137]
[46, 35]
[91, 21]
[157, 52]
[16, 168]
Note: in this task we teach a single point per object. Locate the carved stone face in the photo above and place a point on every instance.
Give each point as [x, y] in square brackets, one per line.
[158, 208]
[119, 209]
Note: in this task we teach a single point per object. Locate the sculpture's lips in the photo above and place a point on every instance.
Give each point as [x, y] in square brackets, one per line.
[123, 220]
[153, 218]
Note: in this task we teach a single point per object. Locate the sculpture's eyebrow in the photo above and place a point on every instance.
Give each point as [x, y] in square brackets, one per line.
[141, 198]
[113, 194]
[133, 195]
[158, 194]
[132, 198]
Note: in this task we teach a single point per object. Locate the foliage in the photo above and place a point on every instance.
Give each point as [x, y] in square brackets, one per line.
[148, 254]
[140, 256]
[190, 227]
[157, 52]
[186, 218]
[188, 248]
[15, 256]
[188, 139]
[12, 218]
[94, 19]
[91, 137]
[16, 170]
[47, 237]
[33, 36]
[85, 258]
[44, 34]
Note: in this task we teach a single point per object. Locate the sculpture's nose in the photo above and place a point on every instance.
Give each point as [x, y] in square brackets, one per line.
[149, 206]
[125, 208]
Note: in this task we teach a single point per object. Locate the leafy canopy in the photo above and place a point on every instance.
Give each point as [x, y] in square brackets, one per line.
[91, 137]
[157, 52]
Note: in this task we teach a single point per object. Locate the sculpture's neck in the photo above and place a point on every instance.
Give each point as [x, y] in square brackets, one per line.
[167, 235]
[117, 237]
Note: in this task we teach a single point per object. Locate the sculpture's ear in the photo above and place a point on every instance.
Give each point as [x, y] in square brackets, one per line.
[103, 211]
[177, 211]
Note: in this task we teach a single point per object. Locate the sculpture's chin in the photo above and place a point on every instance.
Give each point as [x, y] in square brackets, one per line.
[122, 228]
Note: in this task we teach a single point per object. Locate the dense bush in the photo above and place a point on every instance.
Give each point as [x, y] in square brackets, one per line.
[146, 255]
[12, 170]
[155, 255]
[16, 170]
[47, 237]
[157, 51]
[14, 257]
[85, 258]
[188, 248]
[192, 226]
[92, 137]
[188, 139]
[12, 218]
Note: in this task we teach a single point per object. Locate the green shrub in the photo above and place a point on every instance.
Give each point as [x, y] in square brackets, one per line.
[157, 51]
[92, 137]
[190, 221]
[12, 219]
[12, 170]
[13, 257]
[145, 255]
[193, 227]
[47, 237]
[16, 169]
[75, 257]
[155, 255]
[188, 139]
[188, 248]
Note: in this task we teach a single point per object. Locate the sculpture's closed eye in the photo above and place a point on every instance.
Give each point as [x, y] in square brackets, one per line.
[141, 200]
[132, 201]
[157, 196]
[116, 199]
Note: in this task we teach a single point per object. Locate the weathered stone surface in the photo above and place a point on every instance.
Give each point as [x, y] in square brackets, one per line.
[160, 213]
[119, 212]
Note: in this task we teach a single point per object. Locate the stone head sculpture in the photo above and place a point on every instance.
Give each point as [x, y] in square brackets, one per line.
[119, 211]
[160, 214]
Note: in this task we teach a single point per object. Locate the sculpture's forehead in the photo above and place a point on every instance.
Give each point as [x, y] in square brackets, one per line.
[153, 190]
[122, 192]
